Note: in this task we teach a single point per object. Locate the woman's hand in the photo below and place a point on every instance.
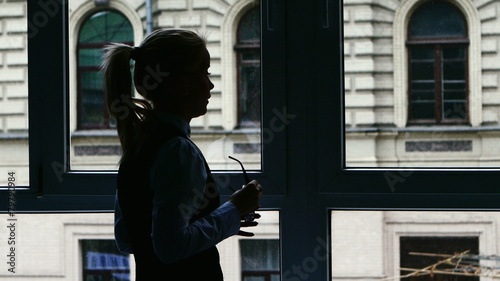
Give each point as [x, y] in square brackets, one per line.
[247, 198]
[247, 202]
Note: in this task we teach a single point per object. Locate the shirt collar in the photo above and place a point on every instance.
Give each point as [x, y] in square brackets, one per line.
[172, 119]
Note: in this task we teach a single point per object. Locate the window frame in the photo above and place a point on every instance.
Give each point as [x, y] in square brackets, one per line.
[347, 188]
[51, 179]
[305, 185]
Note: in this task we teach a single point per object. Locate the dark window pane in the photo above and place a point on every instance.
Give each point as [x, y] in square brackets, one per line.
[251, 56]
[426, 54]
[454, 95]
[422, 110]
[422, 85]
[422, 71]
[91, 109]
[437, 19]
[249, 99]
[248, 49]
[454, 86]
[454, 53]
[249, 28]
[454, 109]
[422, 96]
[453, 71]
[254, 278]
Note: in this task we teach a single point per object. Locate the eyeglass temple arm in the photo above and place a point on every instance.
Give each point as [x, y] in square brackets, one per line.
[247, 179]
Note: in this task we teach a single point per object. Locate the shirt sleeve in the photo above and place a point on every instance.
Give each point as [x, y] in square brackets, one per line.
[178, 179]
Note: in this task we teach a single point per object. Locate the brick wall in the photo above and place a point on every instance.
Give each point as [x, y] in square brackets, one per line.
[13, 67]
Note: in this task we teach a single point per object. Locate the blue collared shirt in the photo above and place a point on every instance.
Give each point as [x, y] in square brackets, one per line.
[178, 177]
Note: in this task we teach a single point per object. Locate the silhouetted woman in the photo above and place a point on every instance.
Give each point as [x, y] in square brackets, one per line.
[167, 209]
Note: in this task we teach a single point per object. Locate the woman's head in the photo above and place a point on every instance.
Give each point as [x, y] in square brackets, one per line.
[170, 71]
[164, 56]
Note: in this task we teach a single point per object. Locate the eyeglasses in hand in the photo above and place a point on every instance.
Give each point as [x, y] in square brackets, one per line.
[250, 216]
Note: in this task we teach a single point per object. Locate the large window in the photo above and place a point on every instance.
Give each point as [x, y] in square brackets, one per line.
[335, 131]
[248, 64]
[99, 30]
[417, 89]
[437, 43]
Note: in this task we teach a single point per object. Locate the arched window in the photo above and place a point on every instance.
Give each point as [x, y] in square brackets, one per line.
[437, 52]
[100, 29]
[248, 63]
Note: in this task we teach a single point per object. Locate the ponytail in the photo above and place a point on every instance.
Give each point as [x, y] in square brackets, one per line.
[129, 112]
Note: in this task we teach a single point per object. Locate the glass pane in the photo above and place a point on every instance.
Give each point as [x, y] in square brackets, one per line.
[422, 70]
[422, 54]
[103, 261]
[106, 26]
[453, 70]
[414, 245]
[81, 246]
[437, 19]
[91, 57]
[250, 96]
[402, 92]
[249, 29]
[418, 252]
[454, 109]
[231, 127]
[258, 257]
[13, 94]
[93, 113]
[422, 109]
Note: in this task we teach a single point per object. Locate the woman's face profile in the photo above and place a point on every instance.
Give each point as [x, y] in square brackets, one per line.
[198, 88]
